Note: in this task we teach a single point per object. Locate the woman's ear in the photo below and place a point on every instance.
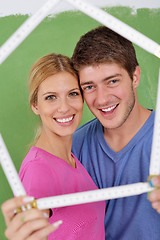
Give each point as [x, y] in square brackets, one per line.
[35, 108]
[136, 77]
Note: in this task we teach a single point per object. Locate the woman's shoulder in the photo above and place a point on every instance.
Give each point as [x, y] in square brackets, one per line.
[35, 162]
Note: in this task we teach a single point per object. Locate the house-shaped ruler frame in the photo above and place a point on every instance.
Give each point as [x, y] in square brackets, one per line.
[129, 33]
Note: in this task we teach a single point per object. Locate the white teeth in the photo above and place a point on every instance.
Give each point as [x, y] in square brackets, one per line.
[108, 109]
[64, 120]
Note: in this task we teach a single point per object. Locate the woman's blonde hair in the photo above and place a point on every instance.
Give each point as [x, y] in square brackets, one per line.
[45, 67]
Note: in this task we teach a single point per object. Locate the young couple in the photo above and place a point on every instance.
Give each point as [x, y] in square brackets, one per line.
[114, 148]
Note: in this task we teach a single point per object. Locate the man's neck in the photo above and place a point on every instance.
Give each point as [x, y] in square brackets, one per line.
[119, 137]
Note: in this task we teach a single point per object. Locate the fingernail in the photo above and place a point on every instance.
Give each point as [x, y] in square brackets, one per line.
[23, 208]
[45, 215]
[28, 206]
[57, 224]
[28, 199]
[153, 182]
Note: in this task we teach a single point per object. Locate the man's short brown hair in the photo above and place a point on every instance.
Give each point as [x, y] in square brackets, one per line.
[102, 45]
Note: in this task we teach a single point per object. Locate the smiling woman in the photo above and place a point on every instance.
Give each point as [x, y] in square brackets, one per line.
[59, 104]
[50, 168]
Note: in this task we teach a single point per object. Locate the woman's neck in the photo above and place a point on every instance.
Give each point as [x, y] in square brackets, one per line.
[57, 145]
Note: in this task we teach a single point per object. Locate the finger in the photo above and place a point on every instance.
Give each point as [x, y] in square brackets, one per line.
[155, 181]
[46, 212]
[154, 196]
[22, 227]
[11, 204]
[22, 218]
[43, 233]
[156, 206]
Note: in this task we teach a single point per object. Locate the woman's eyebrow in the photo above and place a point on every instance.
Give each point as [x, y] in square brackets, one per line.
[46, 93]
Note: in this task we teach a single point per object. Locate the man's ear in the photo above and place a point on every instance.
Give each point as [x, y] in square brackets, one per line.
[136, 77]
[35, 108]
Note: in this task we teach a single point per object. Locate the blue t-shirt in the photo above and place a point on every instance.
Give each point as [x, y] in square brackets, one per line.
[129, 218]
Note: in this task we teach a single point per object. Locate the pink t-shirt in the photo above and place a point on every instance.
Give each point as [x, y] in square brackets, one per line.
[45, 175]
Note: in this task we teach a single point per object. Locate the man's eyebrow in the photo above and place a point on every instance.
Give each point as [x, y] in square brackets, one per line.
[86, 83]
[112, 76]
[105, 79]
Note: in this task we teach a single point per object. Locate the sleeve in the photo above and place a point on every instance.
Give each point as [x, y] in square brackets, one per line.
[38, 180]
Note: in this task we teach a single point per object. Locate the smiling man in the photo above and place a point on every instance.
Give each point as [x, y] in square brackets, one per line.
[115, 147]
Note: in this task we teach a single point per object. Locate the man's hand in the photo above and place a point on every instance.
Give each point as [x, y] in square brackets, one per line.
[154, 196]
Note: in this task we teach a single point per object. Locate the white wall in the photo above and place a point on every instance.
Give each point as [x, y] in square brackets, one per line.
[12, 7]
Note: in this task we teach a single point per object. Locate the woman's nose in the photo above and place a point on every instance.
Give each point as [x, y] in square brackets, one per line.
[63, 106]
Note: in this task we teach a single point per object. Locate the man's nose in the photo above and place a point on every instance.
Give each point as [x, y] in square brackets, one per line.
[101, 95]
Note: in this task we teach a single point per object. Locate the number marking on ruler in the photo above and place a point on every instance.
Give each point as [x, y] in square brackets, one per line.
[93, 196]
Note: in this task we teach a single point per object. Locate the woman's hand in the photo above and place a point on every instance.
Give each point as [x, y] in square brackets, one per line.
[30, 224]
[154, 196]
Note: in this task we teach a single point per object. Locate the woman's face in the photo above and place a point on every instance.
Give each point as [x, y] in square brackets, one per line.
[59, 104]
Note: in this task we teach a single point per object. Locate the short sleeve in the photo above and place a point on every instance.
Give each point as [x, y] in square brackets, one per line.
[38, 179]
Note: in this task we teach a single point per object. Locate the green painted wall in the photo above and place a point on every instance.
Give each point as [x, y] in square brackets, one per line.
[58, 34]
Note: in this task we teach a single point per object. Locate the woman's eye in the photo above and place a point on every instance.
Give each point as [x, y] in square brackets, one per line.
[50, 97]
[74, 94]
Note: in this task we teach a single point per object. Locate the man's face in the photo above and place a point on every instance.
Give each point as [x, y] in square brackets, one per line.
[109, 92]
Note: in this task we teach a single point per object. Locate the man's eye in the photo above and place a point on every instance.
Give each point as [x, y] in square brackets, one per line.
[50, 97]
[87, 88]
[113, 81]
